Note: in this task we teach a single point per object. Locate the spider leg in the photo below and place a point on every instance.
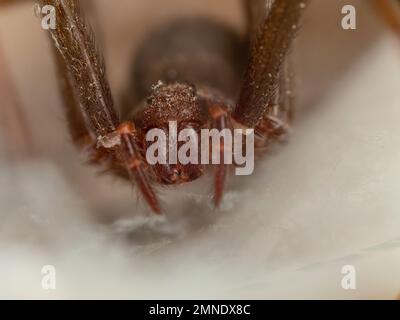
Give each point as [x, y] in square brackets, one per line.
[255, 11]
[81, 136]
[90, 108]
[268, 50]
[79, 132]
[135, 164]
[220, 120]
[275, 123]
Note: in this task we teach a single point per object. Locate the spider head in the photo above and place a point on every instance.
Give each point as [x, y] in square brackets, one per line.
[174, 111]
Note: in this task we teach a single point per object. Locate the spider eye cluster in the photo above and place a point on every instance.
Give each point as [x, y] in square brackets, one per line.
[172, 102]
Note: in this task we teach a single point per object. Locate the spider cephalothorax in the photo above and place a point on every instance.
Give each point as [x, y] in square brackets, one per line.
[174, 102]
[194, 72]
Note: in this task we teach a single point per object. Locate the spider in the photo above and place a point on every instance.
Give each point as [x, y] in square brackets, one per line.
[198, 66]
[197, 72]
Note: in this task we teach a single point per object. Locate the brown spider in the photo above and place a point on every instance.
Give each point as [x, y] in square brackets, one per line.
[203, 82]
[198, 65]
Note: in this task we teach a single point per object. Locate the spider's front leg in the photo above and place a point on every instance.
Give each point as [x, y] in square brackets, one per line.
[269, 47]
[275, 123]
[89, 104]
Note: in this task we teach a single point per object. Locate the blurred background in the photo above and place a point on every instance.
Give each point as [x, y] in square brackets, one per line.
[326, 199]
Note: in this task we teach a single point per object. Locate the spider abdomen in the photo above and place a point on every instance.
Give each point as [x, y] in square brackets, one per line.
[196, 51]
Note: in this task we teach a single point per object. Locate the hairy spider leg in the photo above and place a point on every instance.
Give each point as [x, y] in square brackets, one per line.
[268, 53]
[91, 93]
